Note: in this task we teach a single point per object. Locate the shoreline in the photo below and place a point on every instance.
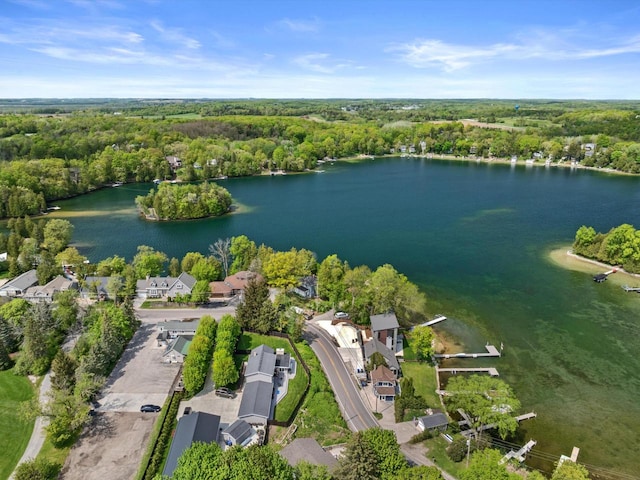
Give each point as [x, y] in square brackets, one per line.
[565, 258]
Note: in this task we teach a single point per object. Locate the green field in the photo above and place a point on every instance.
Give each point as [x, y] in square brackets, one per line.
[14, 431]
[424, 381]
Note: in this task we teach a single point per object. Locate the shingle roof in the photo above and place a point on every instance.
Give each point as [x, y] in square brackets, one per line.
[375, 345]
[179, 325]
[187, 279]
[239, 431]
[256, 399]
[382, 374]
[434, 421]
[22, 282]
[384, 321]
[261, 360]
[196, 427]
[307, 449]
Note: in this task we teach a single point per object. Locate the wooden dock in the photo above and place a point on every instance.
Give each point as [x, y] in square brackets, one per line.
[490, 370]
[520, 454]
[491, 352]
[627, 288]
[437, 319]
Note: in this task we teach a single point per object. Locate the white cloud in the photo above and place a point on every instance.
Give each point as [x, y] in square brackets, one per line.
[298, 25]
[538, 44]
[175, 35]
[319, 62]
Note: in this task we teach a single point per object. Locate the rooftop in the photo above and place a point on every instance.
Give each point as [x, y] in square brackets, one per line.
[384, 321]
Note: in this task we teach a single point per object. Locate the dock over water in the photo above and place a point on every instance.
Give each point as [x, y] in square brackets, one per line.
[491, 352]
[490, 370]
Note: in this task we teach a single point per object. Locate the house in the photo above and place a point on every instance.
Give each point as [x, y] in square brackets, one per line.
[261, 364]
[434, 420]
[283, 361]
[18, 286]
[95, 288]
[177, 349]
[309, 450]
[174, 162]
[195, 427]
[374, 345]
[239, 433]
[46, 292]
[176, 328]
[160, 287]
[183, 285]
[307, 287]
[384, 328]
[255, 406]
[233, 284]
[384, 383]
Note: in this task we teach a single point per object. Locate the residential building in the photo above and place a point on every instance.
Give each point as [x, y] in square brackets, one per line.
[95, 288]
[434, 420]
[195, 427]
[174, 328]
[46, 292]
[261, 364]
[239, 433]
[374, 345]
[177, 349]
[18, 286]
[384, 327]
[257, 399]
[384, 384]
[309, 450]
[169, 287]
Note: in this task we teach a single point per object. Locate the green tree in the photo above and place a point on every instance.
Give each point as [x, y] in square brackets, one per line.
[57, 235]
[569, 470]
[201, 292]
[37, 469]
[68, 415]
[5, 360]
[486, 400]
[174, 267]
[485, 465]
[148, 262]
[308, 471]
[376, 359]
[284, 269]
[196, 364]
[331, 279]
[15, 311]
[207, 269]
[63, 369]
[422, 341]
[356, 463]
[256, 312]
[70, 257]
[224, 369]
[114, 287]
[111, 266]
[386, 450]
[243, 251]
[189, 260]
[420, 472]
[200, 462]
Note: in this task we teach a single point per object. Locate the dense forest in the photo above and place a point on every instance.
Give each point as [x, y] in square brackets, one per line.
[185, 202]
[619, 246]
[65, 148]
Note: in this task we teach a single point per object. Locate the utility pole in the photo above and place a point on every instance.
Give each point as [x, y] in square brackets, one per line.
[468, 450]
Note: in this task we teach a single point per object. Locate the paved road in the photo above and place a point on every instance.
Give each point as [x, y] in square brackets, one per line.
[155, 315]
[354, 411]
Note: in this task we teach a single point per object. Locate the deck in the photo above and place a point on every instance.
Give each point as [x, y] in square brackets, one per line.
[491, 352]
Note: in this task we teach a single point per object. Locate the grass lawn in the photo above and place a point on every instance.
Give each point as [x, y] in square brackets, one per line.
[438, 450]
[249, 341]
[424, 380]
[14, 431]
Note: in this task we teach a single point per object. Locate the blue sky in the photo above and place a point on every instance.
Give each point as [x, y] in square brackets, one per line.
[320, 49]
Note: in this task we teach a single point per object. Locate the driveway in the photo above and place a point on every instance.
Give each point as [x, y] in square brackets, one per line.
[140, 376]
[207, 401]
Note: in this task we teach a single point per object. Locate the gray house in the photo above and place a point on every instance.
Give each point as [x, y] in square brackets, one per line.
[96, 288]
[309, 450]
[45, 293]
[18, 286]
[239, 433]
[374, 345]
[177, 349]
[174, 328]
[384, 327]
[255, 406]
[434, 420]
[196, 427]
[261, 364]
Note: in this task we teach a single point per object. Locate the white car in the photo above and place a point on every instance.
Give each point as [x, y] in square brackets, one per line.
[341, 315]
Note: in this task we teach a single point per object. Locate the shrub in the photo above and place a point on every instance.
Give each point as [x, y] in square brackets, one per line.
[37, 469]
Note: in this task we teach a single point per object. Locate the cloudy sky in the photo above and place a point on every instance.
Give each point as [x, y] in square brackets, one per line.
[320, 49]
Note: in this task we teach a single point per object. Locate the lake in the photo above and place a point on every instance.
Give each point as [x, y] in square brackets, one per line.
[475, 238]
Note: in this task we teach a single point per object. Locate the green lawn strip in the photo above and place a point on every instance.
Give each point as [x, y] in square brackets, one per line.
[424, 381]
[407, 351]
[438, 451]
[249, 341]
[297, 385]
[53, 454]
[319, 416]
[15, 432]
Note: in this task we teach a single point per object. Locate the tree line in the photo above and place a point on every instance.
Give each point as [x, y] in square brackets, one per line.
[619, 246]
[47, 158]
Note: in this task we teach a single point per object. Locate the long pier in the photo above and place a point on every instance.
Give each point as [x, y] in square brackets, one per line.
[489, 426]
[520, 454]
[437, 319]
[490, 370]
[491, 352]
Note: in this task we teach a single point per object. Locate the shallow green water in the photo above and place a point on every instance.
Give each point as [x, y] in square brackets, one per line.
[475, 238]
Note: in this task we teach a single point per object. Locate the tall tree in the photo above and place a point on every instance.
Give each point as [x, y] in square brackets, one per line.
[486, 399]
[148, 262]
[422, 341]
[63, 369]
[386, 452]
[57, 235]
[330, 279]
[221, 250]
[356, 463]
[244, 251]
[256, 312]
[485, 465]
[569, 470]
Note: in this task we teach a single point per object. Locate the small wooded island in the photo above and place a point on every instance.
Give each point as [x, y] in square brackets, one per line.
[184, 202]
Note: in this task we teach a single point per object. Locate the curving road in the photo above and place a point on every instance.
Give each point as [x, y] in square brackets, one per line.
[354, 411]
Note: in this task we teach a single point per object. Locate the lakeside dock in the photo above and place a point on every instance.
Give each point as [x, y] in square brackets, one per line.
[492, 351]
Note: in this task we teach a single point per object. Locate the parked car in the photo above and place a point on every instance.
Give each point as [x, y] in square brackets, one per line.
[341, 315]
[150, 408]
[224, 392]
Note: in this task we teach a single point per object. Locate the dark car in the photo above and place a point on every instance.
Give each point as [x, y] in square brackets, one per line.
[224, 392]
[150, 408]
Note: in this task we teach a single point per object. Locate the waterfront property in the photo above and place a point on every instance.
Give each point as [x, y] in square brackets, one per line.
[19, 285]
[384, 384]
[384, 328]
[434, 420]
[165, 287]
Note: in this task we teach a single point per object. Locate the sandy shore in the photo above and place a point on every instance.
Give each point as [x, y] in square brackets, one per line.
[564, 258]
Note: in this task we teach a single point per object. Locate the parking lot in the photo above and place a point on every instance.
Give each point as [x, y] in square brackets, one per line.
[140, 377]
[207, 401]
[112, 446]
